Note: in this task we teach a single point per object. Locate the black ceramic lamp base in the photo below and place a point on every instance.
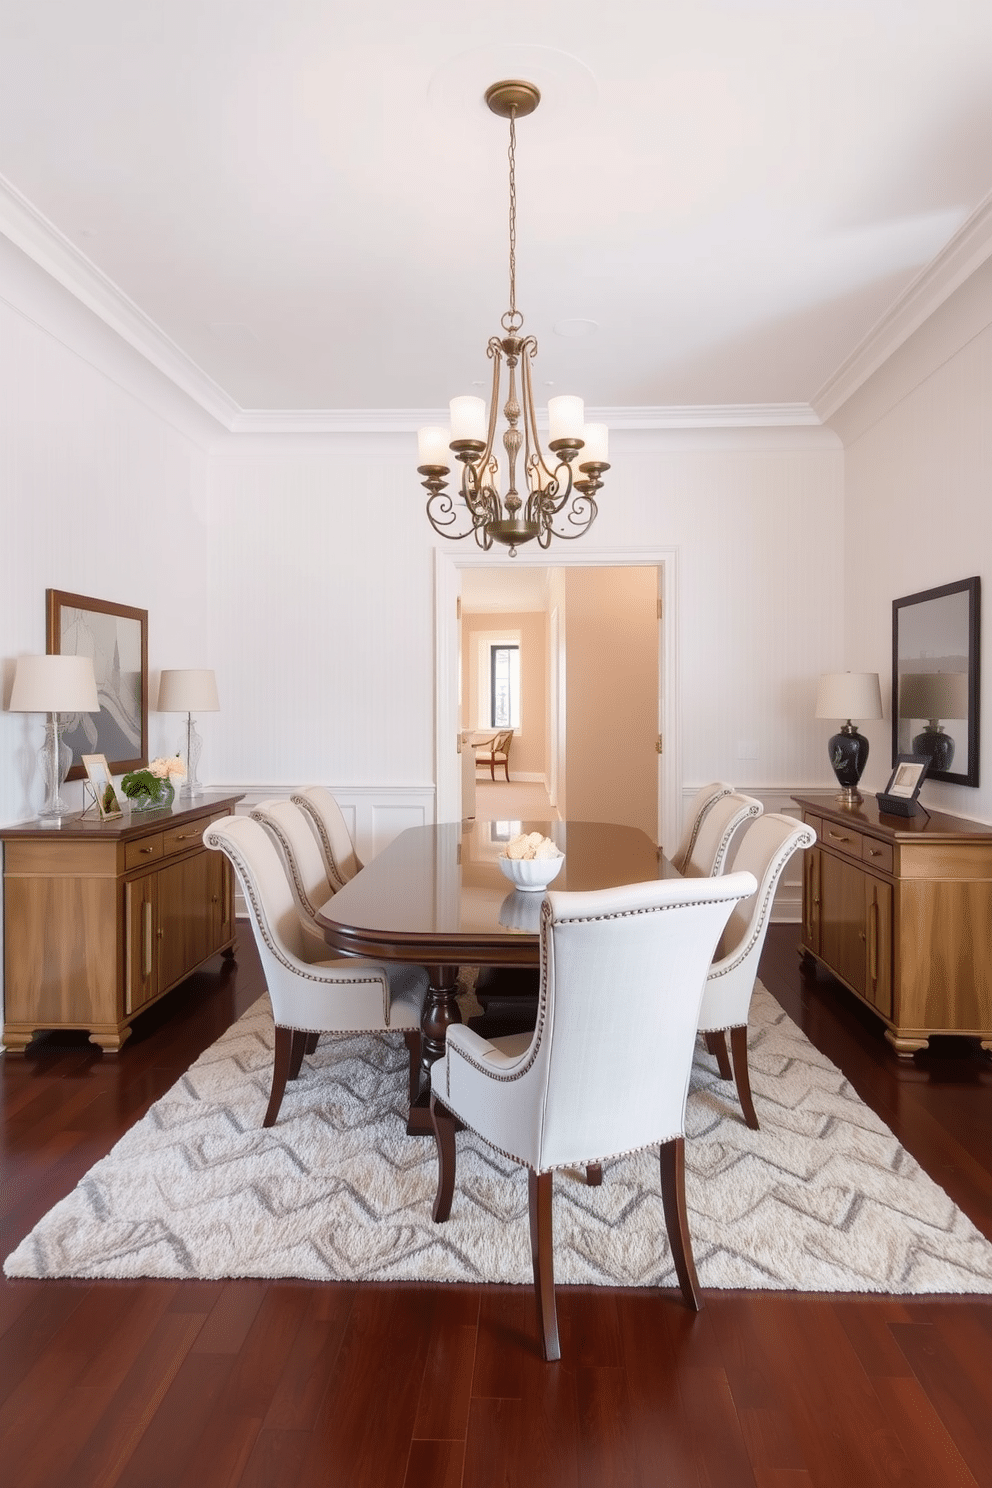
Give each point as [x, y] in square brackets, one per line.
[937, 746]
[848, 756]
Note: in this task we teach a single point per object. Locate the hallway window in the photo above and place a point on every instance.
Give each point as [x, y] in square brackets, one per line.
[504, 686]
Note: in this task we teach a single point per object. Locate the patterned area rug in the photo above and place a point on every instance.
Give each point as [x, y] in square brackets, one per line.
[823, 1198]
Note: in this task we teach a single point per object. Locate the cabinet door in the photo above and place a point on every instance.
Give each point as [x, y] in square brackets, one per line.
[220, 878]
[878, 929]
[811, 900]
[142, 940]
[843, 916]
[185, 917]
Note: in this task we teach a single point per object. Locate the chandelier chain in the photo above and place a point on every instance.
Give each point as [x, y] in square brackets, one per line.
[513, 213]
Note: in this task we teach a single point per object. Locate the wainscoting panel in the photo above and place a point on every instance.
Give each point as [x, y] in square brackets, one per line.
[374, 814]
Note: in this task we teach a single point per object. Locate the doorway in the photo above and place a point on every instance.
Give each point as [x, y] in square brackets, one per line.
[449, 571]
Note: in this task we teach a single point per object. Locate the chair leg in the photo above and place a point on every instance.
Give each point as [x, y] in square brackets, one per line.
[444, 1135]
[673, 1197]
[716, 1043]
[313, 1039]
[411, 1037]
[594, 1175]
[738, 1045]
[280, 1073]
[506, 770]
[492, 770]
[298, 1049]
[539, 1193]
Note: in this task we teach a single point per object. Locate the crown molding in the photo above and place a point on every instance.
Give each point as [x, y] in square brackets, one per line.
[52, 251]
[409, 420]
[966, 252]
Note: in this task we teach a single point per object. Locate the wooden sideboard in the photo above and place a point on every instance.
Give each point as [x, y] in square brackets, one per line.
[899, 909]
[102, 918]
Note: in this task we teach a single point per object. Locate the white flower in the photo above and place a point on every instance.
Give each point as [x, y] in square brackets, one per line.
[163, 768]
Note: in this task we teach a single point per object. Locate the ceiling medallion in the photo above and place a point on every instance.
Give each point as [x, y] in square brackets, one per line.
[559, 497]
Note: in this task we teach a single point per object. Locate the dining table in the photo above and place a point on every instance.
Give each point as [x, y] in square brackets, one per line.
[436, 896]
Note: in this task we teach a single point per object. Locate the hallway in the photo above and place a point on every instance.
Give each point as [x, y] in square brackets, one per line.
[523, 800]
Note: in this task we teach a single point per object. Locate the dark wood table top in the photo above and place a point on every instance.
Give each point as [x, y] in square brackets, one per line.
[437, 895]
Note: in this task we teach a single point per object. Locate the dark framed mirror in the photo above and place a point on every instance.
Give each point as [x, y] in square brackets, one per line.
[935, 702]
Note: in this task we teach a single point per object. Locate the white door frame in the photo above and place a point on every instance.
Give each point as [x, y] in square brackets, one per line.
[447, 588]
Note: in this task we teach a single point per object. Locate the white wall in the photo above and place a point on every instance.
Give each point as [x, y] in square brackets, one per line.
[301, 569]
[918, 458]
[102, 492]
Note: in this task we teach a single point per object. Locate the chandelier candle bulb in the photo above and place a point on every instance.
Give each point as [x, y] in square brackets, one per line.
[432, 446]
[468, 419]
[566, 418]
[596, 448]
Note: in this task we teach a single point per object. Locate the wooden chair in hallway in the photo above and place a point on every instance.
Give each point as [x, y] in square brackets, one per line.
[496, 752]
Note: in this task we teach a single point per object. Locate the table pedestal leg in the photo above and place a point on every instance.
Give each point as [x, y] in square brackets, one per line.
[440, 1009]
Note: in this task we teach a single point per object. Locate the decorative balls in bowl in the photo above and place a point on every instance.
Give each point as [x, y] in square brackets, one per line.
[531, 861]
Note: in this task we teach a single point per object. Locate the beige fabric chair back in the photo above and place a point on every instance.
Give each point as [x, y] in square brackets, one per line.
[331, 830]
[606, 1070]
[711, 850]
[302, 860]
[701, 803]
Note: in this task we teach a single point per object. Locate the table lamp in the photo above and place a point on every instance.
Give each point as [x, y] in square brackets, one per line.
[849, 695]
[934, 696]
[54, 685]
[189, 690]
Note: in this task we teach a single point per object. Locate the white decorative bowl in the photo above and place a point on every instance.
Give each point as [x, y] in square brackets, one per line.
[531, 875]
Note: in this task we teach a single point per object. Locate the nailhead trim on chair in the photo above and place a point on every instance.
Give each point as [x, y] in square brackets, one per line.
[575, 1162]
[623, 914]
[214, 839]
[321, 831]
[805, 839]
[271, 825]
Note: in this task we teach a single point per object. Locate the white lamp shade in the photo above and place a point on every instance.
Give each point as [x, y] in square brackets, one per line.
[566, 417]
[597, 445]
[54, 684]
[468, 418]
[188, 690]
[432, 446]
[933, 695]
[849, 695]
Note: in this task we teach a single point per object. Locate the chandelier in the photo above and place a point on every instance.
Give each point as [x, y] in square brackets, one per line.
[559, 494]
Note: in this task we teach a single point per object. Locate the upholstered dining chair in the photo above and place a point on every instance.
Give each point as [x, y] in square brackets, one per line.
[701, 803]
[331, 831]
[710, 852]
[297, 845]
[496, 751]
[606, 1070]
[765, 849]
[350, 995]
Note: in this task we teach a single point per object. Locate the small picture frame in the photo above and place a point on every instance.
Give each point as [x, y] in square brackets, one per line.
[899, 796]
[98, 775]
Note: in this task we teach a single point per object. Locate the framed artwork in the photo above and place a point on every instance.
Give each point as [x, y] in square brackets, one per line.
[116, 638]
[899, 796]
[935, 675]
[98, 775]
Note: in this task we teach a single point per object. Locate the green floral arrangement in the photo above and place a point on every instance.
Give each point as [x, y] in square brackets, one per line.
[155, 782]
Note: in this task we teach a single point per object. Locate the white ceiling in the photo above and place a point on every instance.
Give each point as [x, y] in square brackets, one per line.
[309, 199]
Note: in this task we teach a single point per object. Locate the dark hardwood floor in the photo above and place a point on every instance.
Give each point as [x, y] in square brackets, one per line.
[257, 1385]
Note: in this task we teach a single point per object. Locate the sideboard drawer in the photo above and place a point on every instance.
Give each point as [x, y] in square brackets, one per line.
[181, 838]
[877, 854]
[841, 839]
[142, 850]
